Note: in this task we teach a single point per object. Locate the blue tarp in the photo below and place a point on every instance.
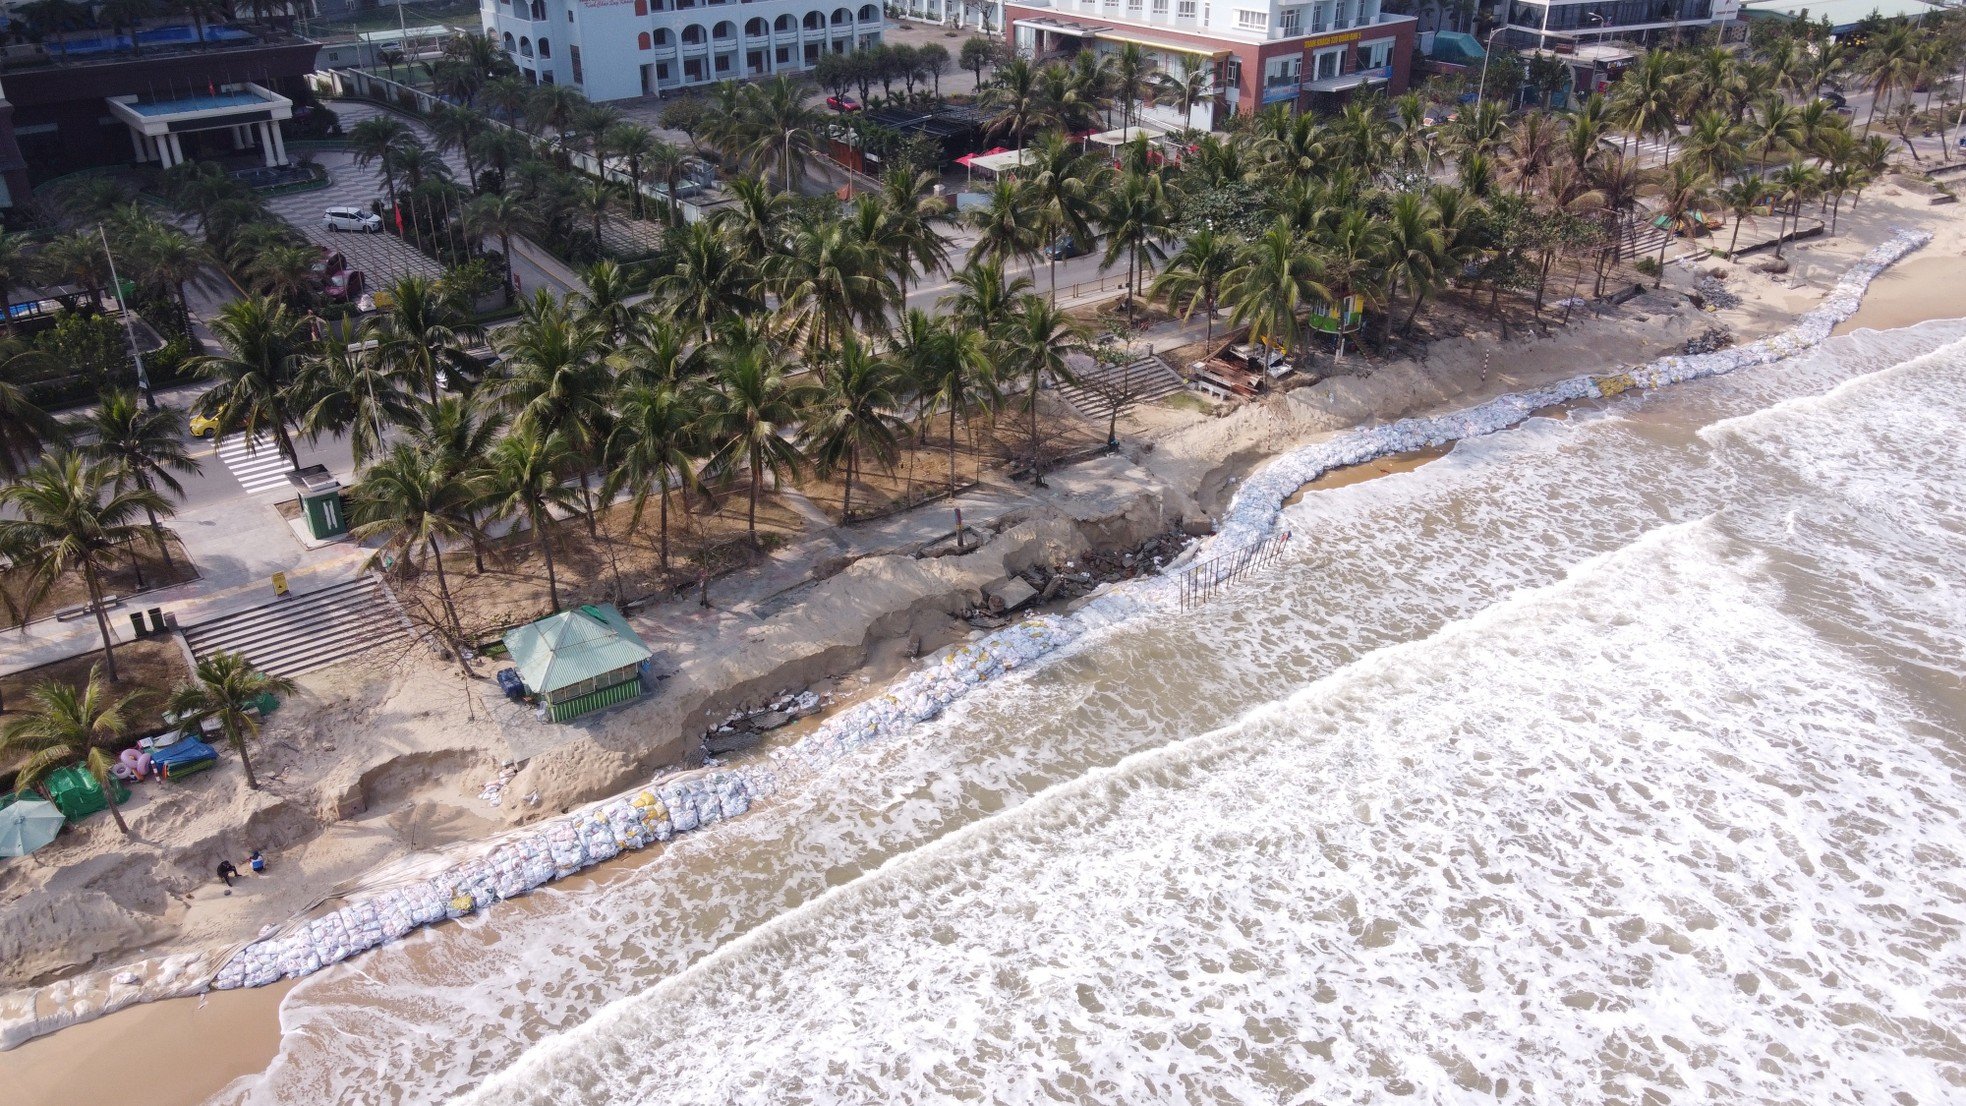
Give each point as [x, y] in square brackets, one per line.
[182, 752]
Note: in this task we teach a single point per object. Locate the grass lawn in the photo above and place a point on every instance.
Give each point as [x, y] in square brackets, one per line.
[140, 562]
[151, 667]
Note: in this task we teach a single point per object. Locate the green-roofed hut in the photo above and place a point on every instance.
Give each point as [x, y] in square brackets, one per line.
[580, 660]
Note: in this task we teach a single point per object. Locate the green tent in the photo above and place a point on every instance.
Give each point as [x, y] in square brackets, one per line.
[580, 660]
[76, 794]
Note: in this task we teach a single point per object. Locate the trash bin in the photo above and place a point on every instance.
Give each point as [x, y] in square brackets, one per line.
[136, 622]
[156, 620]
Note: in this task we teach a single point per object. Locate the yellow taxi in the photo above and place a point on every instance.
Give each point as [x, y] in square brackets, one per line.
[204, 426]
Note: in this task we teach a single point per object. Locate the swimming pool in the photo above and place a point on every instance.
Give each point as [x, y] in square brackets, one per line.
[172, 35]
[196, 103]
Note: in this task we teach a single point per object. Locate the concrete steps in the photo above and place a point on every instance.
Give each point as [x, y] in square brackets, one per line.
[1143, 381]
[301, 633]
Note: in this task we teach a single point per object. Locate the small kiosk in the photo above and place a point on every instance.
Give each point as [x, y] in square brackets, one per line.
[579, 661]
[321, 503]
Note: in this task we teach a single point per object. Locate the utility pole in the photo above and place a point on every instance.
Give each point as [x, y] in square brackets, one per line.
[129, 328]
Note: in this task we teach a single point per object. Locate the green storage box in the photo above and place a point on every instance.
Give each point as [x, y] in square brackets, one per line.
[77, 795]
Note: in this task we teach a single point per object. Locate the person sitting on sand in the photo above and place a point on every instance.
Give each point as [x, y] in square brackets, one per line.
[226, 870]
[257, 862]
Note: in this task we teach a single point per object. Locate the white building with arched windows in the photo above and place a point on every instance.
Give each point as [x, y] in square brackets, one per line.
[619, 49]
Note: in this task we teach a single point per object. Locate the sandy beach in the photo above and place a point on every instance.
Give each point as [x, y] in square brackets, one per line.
[413, 790]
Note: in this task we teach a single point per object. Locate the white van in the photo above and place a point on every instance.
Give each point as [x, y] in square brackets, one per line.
[352, 218]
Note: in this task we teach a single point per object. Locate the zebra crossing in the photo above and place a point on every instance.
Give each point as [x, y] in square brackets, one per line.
[254, 462]
[1650, 151]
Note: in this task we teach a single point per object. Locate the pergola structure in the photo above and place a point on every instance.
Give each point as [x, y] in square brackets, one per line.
[251, 113]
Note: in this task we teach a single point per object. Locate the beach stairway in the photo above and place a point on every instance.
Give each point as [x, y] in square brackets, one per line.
[1142, 381]
[303, 632]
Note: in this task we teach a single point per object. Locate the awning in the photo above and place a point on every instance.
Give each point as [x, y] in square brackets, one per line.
[1125, 135]
[1001, 163]
[1107, 34]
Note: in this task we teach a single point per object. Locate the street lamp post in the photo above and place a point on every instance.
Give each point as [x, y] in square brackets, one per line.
[1487, 48]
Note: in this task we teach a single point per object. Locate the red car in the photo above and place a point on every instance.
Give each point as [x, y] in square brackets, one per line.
[328, 264]
[345, 286]
[842, 103]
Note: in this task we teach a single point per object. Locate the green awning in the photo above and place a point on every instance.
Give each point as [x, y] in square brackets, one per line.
[572, 646]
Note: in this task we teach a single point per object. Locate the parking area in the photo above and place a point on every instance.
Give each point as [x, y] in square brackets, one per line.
[381, 257]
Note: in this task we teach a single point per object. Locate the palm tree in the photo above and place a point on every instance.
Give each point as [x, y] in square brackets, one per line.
[62, 725]
[1890, 64]
[779, 131]
[75, 258]
[374, 140]
[853, 415]
[556, 381]
[632, 143]
[1681, 190]
[1774, 126]
[666, 162]
[985, 298]
[1019, 102]
[754, 404]
[16, 265]
[67, 514]
[1642, 100]
[910, 208]
[1715, 142]
[226, 687]
[1794, 184]
[24, 427]
[349, 387]
[413, 499]
[551, 109]
[826, 281]
[754, 223]
[1132, 76]
[1415, 253]
[952, 366]
[1006, 229]
[425, 334]
[1188, 86]
[1275, 278]
[141, 448]
[655, 448]
[704, 282]
[1064, 196]
[523, 480]
[1039, 340]
[1138, 219]
[251, 393]
[497, 215]
[1743, 198]
[1194, 274]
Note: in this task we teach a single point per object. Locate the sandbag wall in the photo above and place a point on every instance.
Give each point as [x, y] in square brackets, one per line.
[564, 845]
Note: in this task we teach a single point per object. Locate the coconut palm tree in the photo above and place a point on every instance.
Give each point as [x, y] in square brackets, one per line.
[17, 265]
[1890, 64]
[1064, 188]
[754, 404]
[604, 300]
[1138, 219]
[522, 479]
[348, 386]
[226, 687]
[1773, 127]
[910, 208]
[632, 143]
[284, 270]
[500, 216]
[262, 340]
[67, 514]
[171, 259]
[1189, 85]
[1415, 252]
[1132, 77]
[755, 223]
[1680, 191]
[952, 366]
[75, 258]
[1642, 102]
[1036, 345]
[141, 448]
[853, 416]
[555, 381]
[25, 429]
[1744, 198]
[704, 282]
[1795, 184]
[1276, 277]
[827, 280]
[776, 131]
[1006, 228]
[374, 140]
[413, 500]
[665, 163]
[1019, 102]
[655, 448]
[63, 725]
[1192, 279]
[425, 334]
[1715, 143]
[985, 298]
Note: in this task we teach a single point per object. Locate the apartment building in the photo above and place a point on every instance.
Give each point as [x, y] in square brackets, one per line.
[1564, 24]
[1310, 55]
[976, 15]
[618, 49]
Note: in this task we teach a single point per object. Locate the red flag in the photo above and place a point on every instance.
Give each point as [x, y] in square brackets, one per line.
[399, 218]
[212, 86]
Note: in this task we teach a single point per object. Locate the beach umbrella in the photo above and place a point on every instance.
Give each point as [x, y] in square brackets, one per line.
[28, 825]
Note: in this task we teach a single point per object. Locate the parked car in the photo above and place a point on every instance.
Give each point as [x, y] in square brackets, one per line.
[203, 426]
[842, 103]
[352, 218]
[1834, 98]
[328, 264]
[1064, 249]
[345, 286]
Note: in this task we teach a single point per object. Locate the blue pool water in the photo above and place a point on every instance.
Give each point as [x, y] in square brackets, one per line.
[196, 103]
[176, 34]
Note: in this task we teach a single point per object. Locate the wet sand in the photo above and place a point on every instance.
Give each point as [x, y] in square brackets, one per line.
[179, 1052]
[1915, 290]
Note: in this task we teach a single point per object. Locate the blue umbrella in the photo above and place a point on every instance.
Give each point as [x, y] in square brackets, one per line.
[28, 825]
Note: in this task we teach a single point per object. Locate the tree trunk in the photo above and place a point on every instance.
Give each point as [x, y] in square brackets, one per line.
[444, 586]
[546, 550]
[846, 496]
[94, 586]
[245, 760]
[1037, 448]
[757, 477]
[108, 786]
[1735, 238]
[952, 448]
[511, 293]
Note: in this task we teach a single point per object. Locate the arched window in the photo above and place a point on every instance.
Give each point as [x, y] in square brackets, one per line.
[641, 7]
[545, 48]
[525, 47]
[539, 10]
[785, 24]
[814, 21]
[725, 30]
[755, 28]
[685, 5]
[869, 13]
[642, 41]
[841, 17]
[663, 38]
[508, 42]
[693, 35]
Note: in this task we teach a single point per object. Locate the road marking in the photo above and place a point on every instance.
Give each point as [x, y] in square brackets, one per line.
[255, 462]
